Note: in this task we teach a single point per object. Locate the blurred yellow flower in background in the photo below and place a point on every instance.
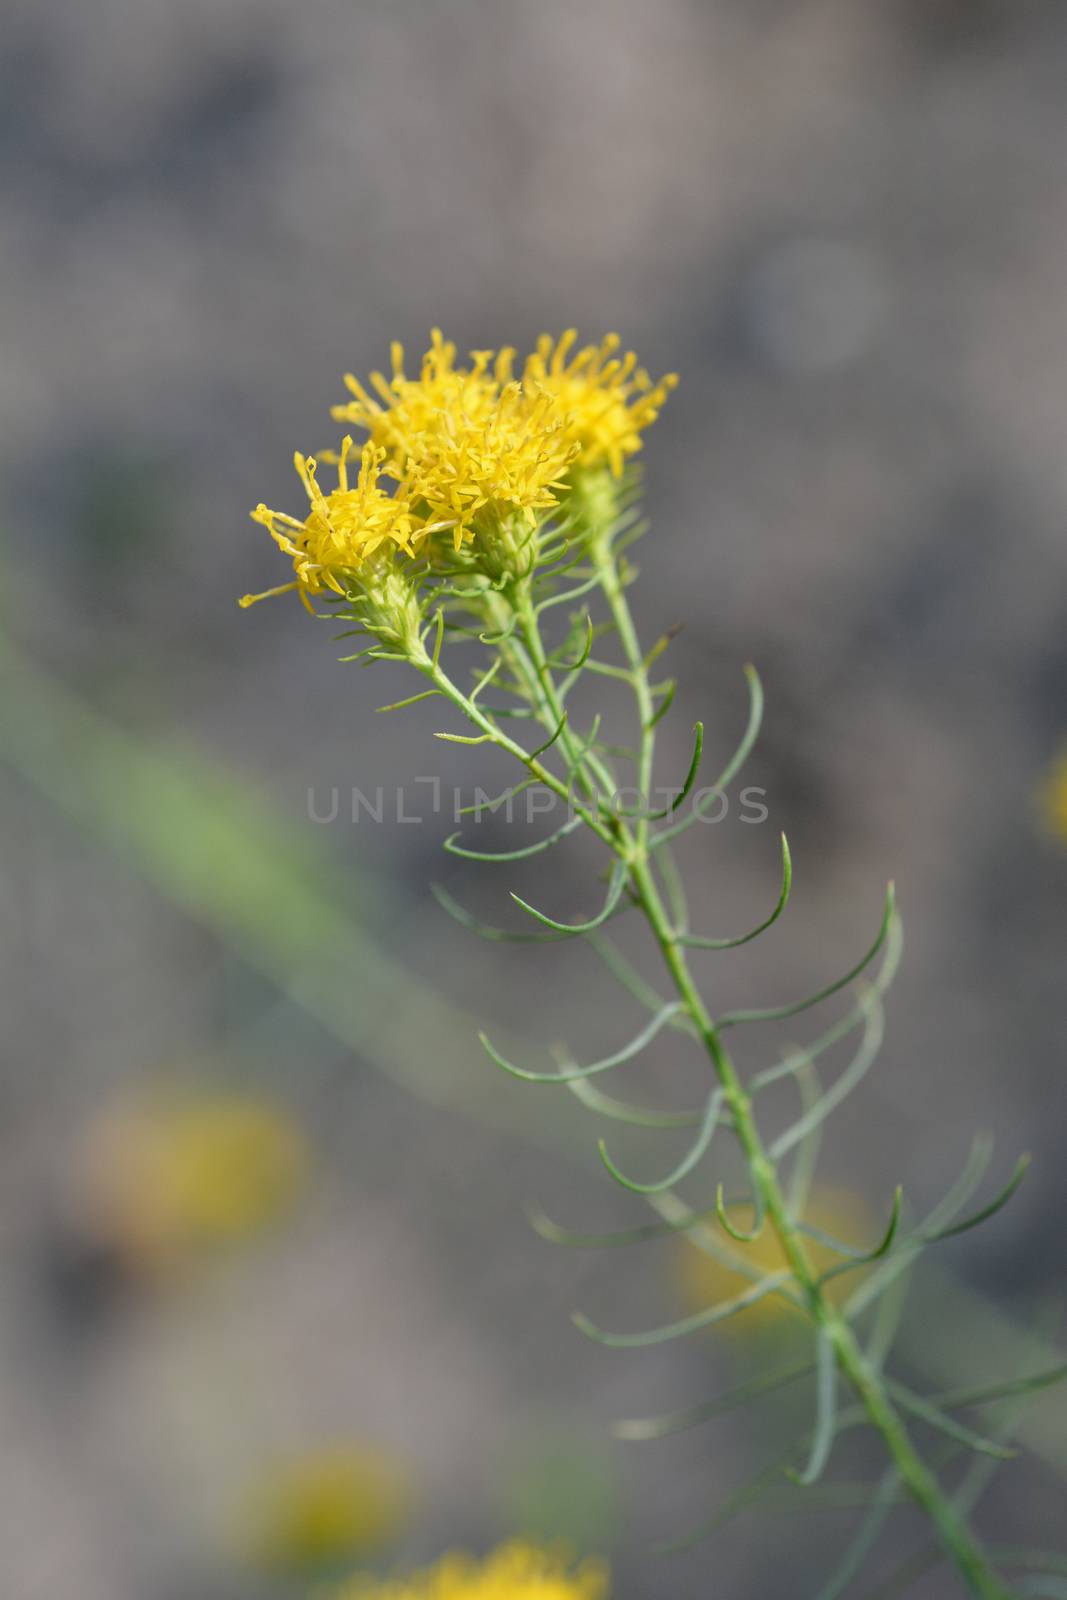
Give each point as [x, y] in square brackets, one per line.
[167, 1175]
[314, 1512]
[516, 1571]
[1052, 799]
[702, 1281]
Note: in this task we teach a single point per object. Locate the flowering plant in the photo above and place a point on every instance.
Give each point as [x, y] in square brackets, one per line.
[492, 498]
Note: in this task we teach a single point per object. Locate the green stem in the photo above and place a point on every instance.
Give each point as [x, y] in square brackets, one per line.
[632, 847]
[503, 741]
[594, 778]
[957, 1537]
[925, 1489]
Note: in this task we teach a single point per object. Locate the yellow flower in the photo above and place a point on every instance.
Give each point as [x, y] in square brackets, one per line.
[474, 452]
[319, 1510]
[343, 529]
[482, 472]
[608, 400]
[161, 1180]
[472, 446]
[1052, 799]
[407, 410]
[517, 1571]
[703, 1282]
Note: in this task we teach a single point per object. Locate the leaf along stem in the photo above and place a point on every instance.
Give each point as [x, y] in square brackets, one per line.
[628, 838]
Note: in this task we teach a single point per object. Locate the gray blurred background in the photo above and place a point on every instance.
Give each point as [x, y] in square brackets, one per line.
[845, 225]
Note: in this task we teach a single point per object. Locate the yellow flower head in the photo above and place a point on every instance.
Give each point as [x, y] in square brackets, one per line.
[470, 443]
[162, 1180]
[319, 1510]
[506, 465]
[343, 529]
[476, 454]
[517, 1571]
[703, 1281]
[407, 410]
[1052, 799]
[608, 399]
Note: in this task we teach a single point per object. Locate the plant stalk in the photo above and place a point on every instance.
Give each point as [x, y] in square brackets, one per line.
[970, 1560]
[631, 845]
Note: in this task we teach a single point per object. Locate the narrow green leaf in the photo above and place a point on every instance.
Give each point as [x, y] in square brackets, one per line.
[692, 1324]
[661, 710]
[623, 970]
[647, 1231]
[486, 678]
[690, 777]
[778, 1013]
[586, 650]
[825, 1409]
[568, 594]
[440, 623]
[511, 855]
[662, 644]
[550, 741]
[885, 1323]
[483, 929]
[995, 1205]
[685, 1166]
[674, 888]
[858, 1068]
[798, 1060]
[628, 1051]
[738, 1233]
[1008, 1389]
[412, 699]
[502, 637]
[701, 1233]
[636, 1116]
[948, 1207]
[860, 1258]
[733, 766]
[479, 806]
[806, 1160]
[707, 1410]
[607, 669]
[572, 929]
[693, 942]
[751, 733]
[926, 1411]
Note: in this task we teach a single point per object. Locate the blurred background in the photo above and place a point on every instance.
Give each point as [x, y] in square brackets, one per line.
[271, 1306]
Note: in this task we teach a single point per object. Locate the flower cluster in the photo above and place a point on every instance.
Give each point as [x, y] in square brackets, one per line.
[518, 1571]
[461, 457]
